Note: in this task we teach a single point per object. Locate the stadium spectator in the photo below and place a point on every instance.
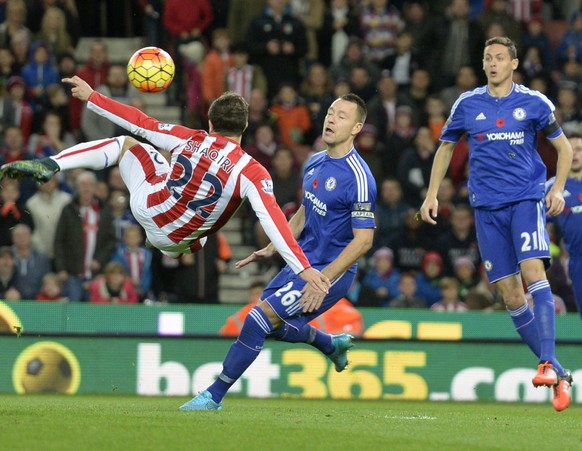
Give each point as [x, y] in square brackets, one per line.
[193, 278]
[8, 290]
[264, 145]
[217, 63]
[460, 240]
[243, 77]
[362, 83]
[136, 259]
[19, 45]
[408, 296]
[17, 111]
[403, 62]
[466, 273]
[39, 73]
[310, 13]
[499, 13]
[372, 150]
[354, 57]
[380, 23]
[570, 46]
[16, 16]
[465, 80]
[52, 137]
[315, 89]
[94, 72]
[53, 31]
[7, 69]
[37, 11]
[567, 110]
[286, 187]
[31, 265]
[380, 282]
[234, 323]
[390, 212]
[45, 208]
[89, 223]
[259, 114]
[51, 289]
[415, 165]
[450, 301]
[453, 41]
[411, 244]
[277, 42]
[118, 201]
[293, 121]
[114, 286]
[152, 22]
[12, 210]
[428, 279]
[340, 22]
[240, 15]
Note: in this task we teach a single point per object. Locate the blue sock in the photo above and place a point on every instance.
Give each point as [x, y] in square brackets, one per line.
[545, 313]
[525, 325]
[307, 334]
[242, 353]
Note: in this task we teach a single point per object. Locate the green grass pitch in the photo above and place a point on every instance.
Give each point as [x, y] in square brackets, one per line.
[52, 422]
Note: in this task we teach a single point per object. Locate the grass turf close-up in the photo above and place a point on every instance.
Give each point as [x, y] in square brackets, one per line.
[57, 422]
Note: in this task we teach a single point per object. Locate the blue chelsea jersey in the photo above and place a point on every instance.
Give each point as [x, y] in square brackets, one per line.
[504, 164]
[339, 195]
[570, 220]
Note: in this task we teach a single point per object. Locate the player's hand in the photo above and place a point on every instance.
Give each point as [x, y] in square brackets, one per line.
[315, 290]
[312, 298]
[261, 254]
[555, 202]
[428, 210]
[80, 89]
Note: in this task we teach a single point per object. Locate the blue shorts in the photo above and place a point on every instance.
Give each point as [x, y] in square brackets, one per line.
[284, 292]
[511, 235]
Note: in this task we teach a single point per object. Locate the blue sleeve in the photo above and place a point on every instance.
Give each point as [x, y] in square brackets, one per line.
[547, 119]
[363, 203]
[455, 126]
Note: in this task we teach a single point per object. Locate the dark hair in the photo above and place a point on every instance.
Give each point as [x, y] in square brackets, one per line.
[229, 114]
[501, 40]
[362, 110]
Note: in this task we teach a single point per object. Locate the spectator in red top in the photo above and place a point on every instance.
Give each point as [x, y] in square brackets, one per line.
[185, 21]
[94, 72]
[113, 287]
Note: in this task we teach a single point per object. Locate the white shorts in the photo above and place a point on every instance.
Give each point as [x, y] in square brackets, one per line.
[145, 171]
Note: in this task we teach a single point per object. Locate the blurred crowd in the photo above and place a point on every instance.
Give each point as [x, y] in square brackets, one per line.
[75, 238]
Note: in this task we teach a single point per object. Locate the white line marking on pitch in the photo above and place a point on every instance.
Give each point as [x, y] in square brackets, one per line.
[414, 417]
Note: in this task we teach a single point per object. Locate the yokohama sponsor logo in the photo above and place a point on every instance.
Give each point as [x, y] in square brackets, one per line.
[318, 206]
[504, 136]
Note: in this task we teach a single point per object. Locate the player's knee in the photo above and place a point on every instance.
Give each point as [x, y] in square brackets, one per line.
[273, 317]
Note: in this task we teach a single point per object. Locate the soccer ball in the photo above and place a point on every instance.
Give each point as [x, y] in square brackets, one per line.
[46, 367]
[151, 69]
[48, 372]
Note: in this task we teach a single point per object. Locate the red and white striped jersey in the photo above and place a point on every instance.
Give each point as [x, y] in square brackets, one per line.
[210, 177]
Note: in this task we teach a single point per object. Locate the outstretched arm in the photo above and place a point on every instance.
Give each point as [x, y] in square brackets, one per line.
[430, 206]
[164, 136]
